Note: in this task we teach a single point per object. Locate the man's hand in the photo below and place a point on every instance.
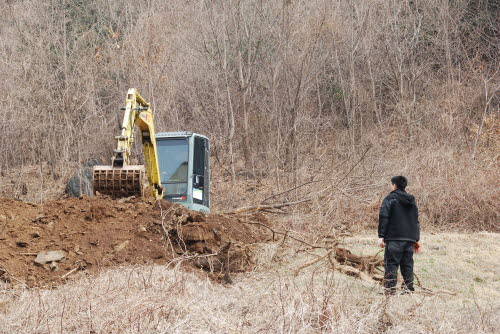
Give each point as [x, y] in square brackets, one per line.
[381, 242]
[416, 247]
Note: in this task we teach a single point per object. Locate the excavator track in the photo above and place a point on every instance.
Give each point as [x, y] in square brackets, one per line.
[119, 182]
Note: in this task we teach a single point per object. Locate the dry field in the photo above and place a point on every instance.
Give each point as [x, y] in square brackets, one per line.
[461, 270]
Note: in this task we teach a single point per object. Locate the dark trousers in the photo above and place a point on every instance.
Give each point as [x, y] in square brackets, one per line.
[398, 254]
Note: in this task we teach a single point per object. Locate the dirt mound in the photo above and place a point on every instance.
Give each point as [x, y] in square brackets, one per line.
[93, 233]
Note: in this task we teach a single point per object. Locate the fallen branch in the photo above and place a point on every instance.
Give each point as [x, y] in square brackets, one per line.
[312, 263]
[286, 191]
[351, 271]
[342, 255]
[285, 234]
[364, 263]
[362, 267]
[264, 207]
[70, 272]
[430, 292]
[343, 260]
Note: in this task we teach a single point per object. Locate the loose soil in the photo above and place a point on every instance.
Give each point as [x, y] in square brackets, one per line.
[100, 232]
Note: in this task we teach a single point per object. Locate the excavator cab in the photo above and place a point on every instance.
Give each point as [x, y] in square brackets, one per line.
[176, 164]
[183, 159]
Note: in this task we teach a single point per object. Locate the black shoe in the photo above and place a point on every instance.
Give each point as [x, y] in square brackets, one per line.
[389, 292]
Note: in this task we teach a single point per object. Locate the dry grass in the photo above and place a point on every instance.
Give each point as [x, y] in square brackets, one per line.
[453, 191]
[272, 299]
[36, 183]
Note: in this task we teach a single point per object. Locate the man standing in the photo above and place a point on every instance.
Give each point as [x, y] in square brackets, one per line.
[399, 233]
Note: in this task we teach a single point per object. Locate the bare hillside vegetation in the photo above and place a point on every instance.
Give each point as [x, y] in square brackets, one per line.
[288, 91]
[310, 106]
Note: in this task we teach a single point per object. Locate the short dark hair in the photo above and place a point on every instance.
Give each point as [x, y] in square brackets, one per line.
[400, 181]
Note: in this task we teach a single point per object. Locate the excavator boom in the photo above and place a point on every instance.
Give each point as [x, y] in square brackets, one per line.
[121, 179]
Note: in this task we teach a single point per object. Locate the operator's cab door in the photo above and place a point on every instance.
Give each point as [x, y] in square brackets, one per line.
[184, 161]
[173, 157]
[201, 171]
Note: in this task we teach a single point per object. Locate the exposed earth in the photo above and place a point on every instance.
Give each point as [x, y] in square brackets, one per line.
[89, 234]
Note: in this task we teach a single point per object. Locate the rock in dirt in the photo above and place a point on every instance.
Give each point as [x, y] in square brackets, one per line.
[121, 246]
[48, 257]
[53, 266]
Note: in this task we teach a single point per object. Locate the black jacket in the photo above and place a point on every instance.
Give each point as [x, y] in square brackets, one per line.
[398, 218]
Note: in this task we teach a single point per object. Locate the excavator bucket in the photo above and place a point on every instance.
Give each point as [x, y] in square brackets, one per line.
[119, 181]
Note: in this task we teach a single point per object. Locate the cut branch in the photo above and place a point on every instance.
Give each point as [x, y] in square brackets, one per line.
[264, 207]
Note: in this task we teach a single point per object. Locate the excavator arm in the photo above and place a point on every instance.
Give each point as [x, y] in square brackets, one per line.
[122, 179]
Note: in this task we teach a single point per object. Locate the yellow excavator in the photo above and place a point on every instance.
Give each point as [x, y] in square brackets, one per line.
[177, 164]
[122, 179]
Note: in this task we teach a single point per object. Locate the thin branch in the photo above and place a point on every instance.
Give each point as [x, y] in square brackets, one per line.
[264, 207]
